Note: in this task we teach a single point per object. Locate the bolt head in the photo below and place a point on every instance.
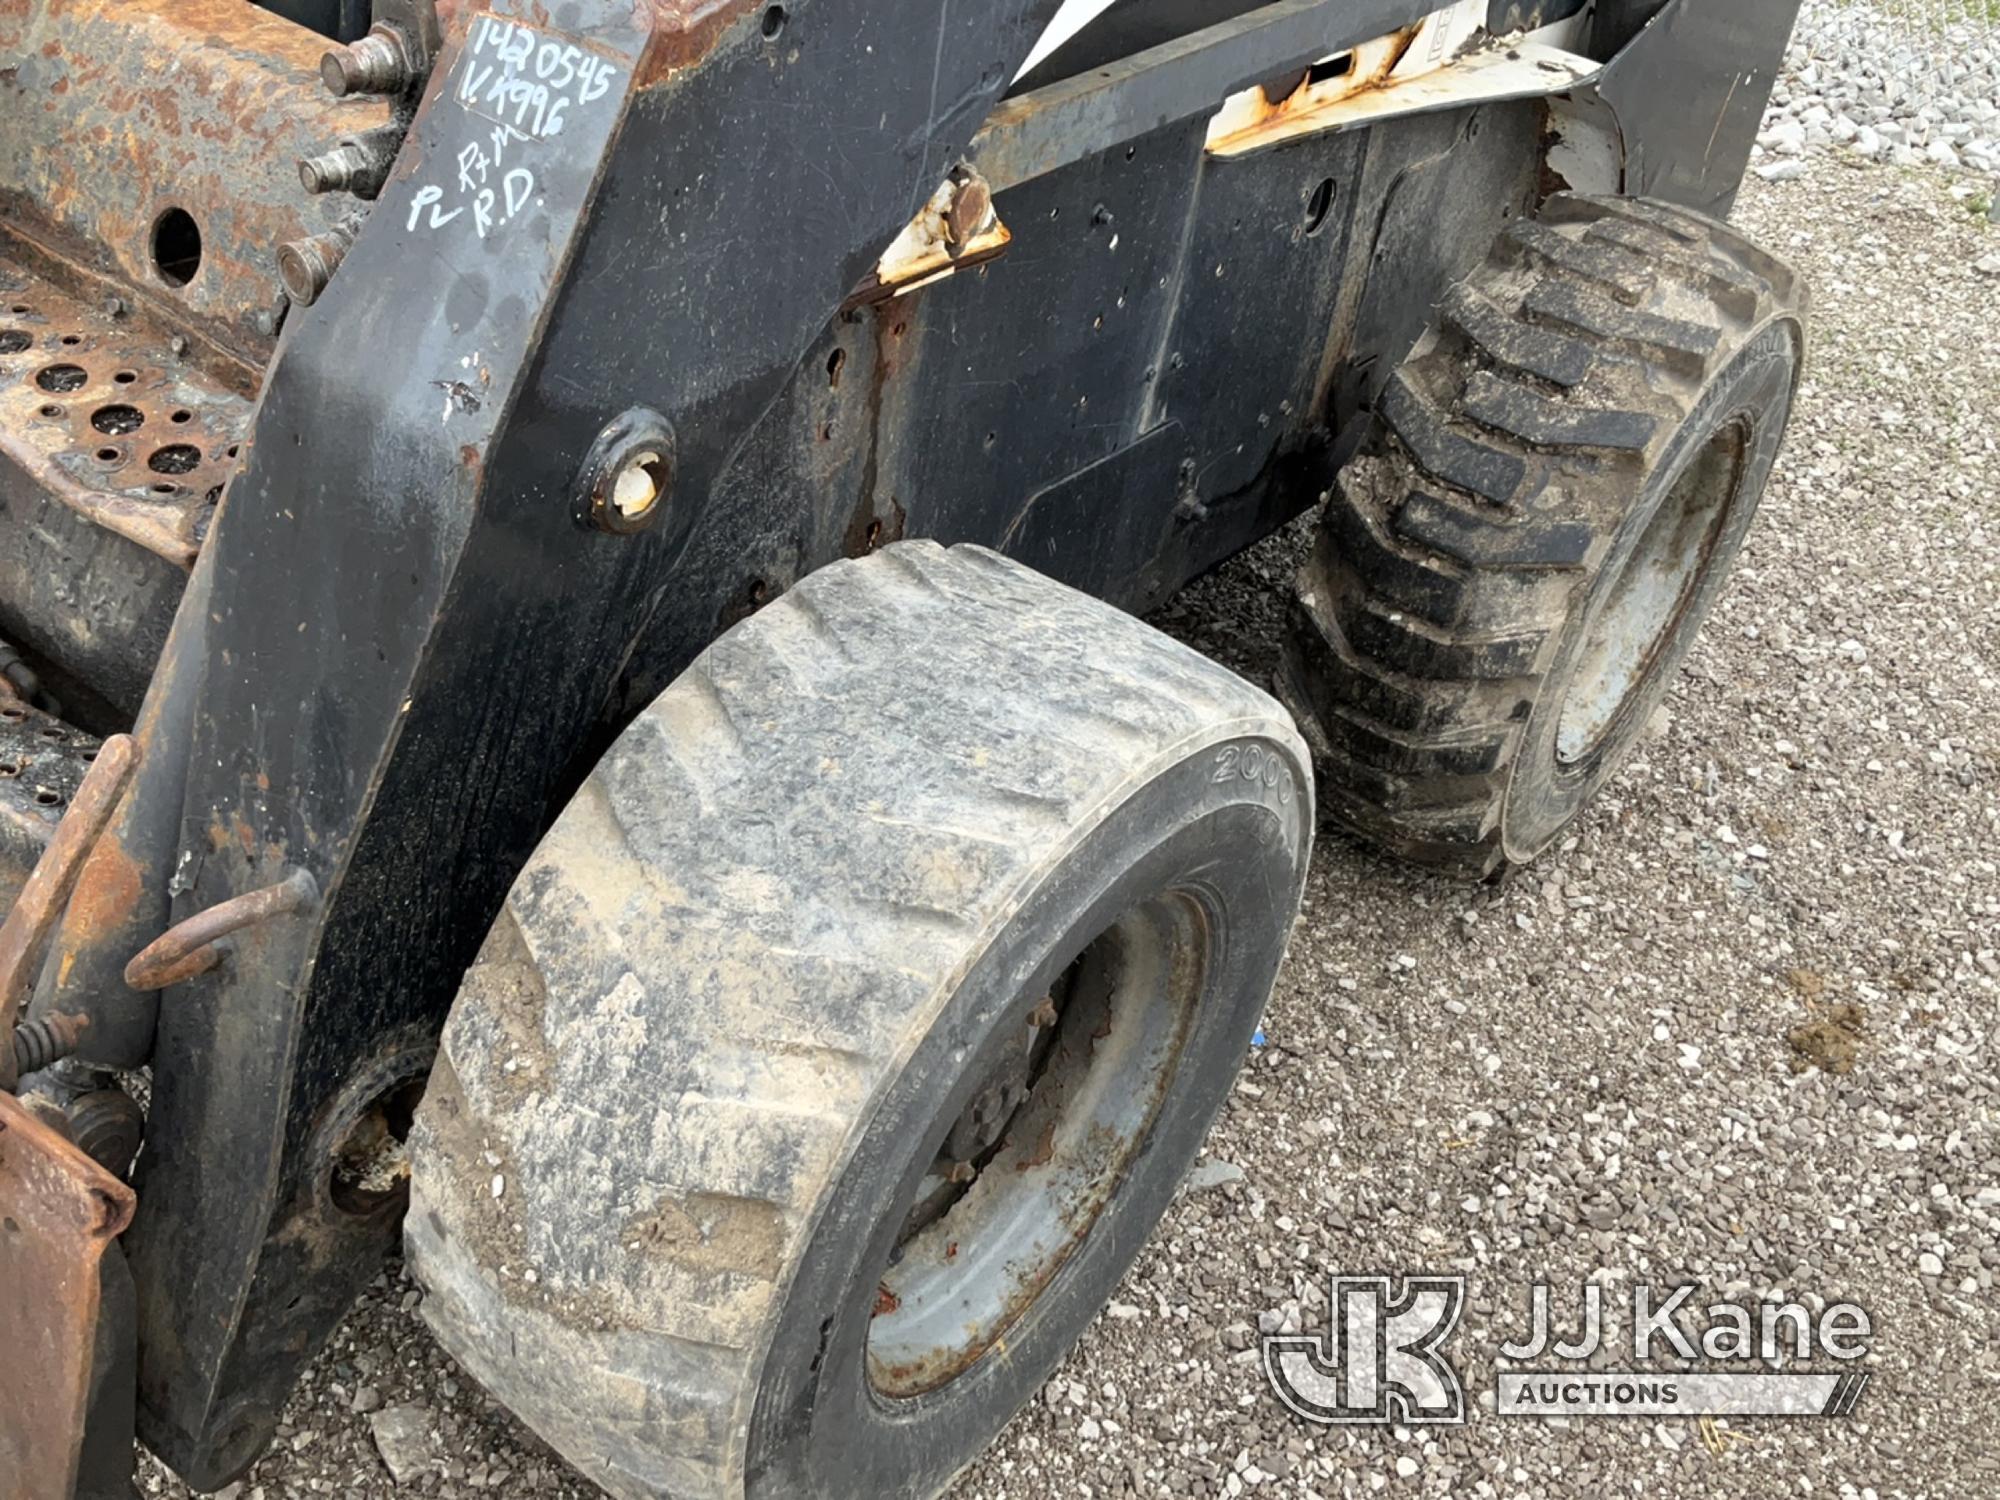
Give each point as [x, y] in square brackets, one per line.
[338, 73]
[971, 207]
[300, 271]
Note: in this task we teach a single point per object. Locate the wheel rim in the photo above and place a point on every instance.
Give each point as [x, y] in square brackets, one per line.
[1648, 600]
[1028, 1164]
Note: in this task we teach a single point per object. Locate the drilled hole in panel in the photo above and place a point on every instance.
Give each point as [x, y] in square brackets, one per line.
[1318, 206]
[126, 377]
[176, 247]
[44, 797]
[13, 341]
[117, 420]
[51, 410]
[109, 455]
[62, 378]
[180, 416]
[175, 458]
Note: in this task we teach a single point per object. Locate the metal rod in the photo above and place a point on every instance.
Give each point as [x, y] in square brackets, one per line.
[189, 948]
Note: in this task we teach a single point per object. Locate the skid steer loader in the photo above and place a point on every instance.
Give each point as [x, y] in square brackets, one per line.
[573, 703]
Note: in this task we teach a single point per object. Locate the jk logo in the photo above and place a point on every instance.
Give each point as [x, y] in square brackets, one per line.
[1378, 1362]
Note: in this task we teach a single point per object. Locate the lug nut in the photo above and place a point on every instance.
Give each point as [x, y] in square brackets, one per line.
[306, 266]
[376, 64]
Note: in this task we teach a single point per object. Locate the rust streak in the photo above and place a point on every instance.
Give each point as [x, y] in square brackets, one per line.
[683, 32]
[107, 893]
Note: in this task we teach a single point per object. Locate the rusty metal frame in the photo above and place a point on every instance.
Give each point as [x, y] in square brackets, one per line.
[127, 381]
[121, 111]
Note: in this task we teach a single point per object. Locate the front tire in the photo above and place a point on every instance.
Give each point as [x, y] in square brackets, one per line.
[841, 1045]
[1508, 575]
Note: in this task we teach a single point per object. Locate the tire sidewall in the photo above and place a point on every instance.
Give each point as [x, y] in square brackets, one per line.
[1757, 385]
[818, 1427]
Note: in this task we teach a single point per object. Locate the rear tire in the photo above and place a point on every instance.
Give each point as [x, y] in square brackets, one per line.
[1508, 575]
[842, 1043]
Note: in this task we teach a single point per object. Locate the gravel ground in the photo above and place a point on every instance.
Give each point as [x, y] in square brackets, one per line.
[1903, 82]
[1590, 1070]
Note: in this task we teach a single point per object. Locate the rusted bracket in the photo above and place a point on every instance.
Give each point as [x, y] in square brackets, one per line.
[1386, 80]
[194, 946]
[956, 228]
[24, 937]
[62, 1211]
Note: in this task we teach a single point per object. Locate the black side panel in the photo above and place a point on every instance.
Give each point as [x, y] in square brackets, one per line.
[1689, 92]
[1126, 374]
[1104, 529]
[1617, 22]
[1259, 281]
[1044, 364]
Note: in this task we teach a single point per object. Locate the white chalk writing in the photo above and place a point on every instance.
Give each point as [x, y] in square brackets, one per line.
[525, 86]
